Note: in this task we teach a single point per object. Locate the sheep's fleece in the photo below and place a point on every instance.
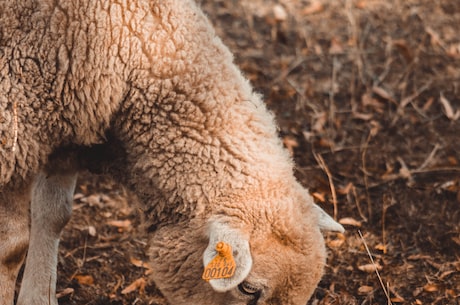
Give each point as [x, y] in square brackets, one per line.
[143, 90]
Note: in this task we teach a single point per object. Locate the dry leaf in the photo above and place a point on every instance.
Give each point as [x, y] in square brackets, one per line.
[370, 268]
[279, 12]
[346, 189]
[428, 104]
[452, 293]
[416, 257]
[290, 143]
[363, 116]
[454, 50]
[78, 196]
[431, 287]
[319, 121]
[435, 38]
[397, 300]
[365, 289]
[381, 247]
[313, 8]
[336, 46]
[138, 284]
[321, 197]
[92, 231]
[383, 93]
[121, 224]
[139, 263]
[449, 111]
[83, 279]
[404, 49]
[361, 4]
[337, 242]
[93, 200]
[65, 292]
[350, 221]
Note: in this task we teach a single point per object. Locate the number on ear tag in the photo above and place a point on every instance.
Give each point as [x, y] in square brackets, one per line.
[222, 265]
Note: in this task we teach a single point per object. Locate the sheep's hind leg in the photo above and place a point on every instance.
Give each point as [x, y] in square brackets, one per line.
[51, 207]
[14, 238]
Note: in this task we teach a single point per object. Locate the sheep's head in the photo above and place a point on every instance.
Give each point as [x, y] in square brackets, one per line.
[280, 262]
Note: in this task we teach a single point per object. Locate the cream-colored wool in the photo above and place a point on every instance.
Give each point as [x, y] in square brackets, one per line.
[144, 90]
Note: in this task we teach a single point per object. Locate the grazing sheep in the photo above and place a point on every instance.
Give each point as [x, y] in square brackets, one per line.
[145, 91]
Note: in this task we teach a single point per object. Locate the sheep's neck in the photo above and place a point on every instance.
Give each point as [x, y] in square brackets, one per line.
[190, 152]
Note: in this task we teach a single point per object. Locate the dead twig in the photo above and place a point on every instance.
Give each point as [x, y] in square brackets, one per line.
[324, 167]
[372, 133]
[387, 294]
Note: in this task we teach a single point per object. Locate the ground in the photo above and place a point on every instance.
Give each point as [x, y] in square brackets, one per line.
[367, 97]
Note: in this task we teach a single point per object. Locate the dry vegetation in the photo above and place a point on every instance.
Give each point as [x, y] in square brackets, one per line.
[367, 95]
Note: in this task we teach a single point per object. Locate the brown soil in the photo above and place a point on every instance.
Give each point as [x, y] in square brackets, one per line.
[367, 96]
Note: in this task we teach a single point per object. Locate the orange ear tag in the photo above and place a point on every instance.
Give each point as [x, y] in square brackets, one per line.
[222, 265]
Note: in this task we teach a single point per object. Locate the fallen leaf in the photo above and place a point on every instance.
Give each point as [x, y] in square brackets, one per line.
[350, 221]
[84, 279]
[361, 4]
[313, 8]
[446, 274]
[365, 289]
[138, 284]
[346, 189]
[431, 287]
[290, 143]
[122, 224]
[448, 110]
[93, 200]
[451, 293]
[363, 116]
[336, 242]
[65, 292]
[336, 46]
[383, 93]
[435, 38]
[428, 104]
[416, 257]
[454, 50]
[92, 231]
[138, 263]
[404, 49]
[397, 300]
[381, 247]
[78, 196]
[370, 268]
[279, 12]
[319, 196]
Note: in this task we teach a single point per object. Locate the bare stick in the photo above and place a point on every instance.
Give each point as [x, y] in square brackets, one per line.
[375, 268]
[324, 167]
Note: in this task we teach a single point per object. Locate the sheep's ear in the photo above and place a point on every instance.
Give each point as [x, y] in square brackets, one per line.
[326, 222]
[222, 234]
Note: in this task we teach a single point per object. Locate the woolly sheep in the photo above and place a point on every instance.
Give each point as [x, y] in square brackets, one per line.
[145, 91]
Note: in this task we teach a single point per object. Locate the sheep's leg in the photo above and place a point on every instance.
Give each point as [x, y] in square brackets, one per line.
[14, 238]
[51, 207]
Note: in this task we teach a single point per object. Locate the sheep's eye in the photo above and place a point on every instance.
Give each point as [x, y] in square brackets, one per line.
[249, 290]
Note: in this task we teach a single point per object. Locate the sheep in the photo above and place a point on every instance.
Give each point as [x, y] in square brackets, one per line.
[145, 91]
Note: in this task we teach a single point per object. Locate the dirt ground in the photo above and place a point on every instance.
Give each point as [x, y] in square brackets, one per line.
[367, 96]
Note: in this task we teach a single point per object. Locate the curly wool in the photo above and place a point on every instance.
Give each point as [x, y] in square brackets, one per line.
[189, 122]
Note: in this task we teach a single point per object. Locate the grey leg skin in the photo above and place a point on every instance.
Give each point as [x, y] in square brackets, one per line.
[14, 238]
[51, 208]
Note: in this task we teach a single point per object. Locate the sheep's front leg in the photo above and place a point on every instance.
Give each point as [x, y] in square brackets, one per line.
[51, 207]
[14, 238]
